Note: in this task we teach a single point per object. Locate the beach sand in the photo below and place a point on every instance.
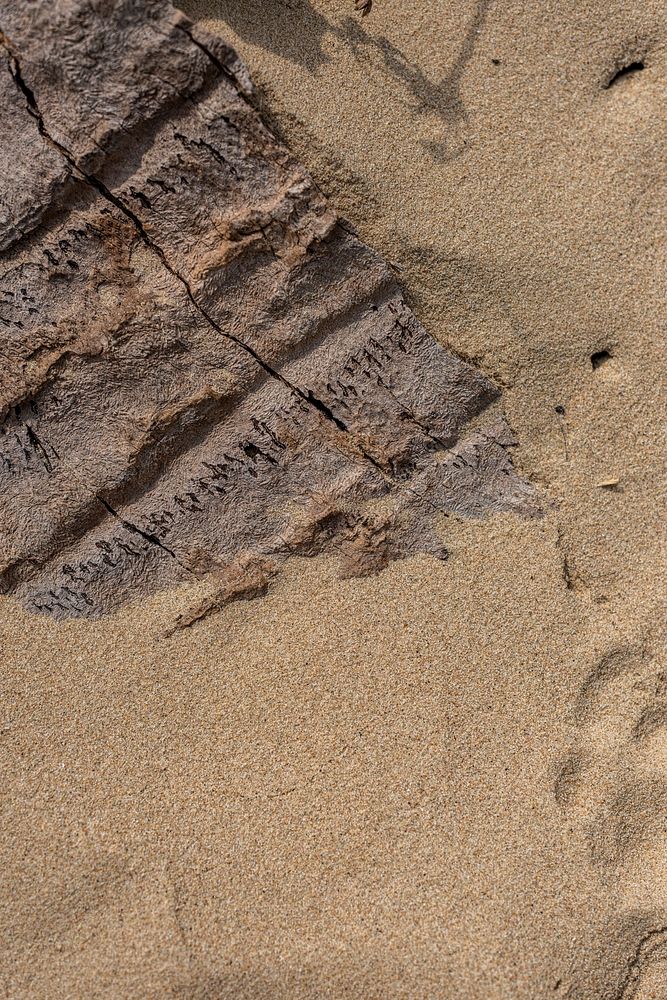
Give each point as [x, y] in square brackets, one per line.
[448, 780]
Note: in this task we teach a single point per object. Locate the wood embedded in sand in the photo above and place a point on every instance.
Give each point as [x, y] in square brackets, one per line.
[203, 369]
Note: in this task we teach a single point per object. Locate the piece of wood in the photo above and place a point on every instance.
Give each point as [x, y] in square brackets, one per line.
[202, 371]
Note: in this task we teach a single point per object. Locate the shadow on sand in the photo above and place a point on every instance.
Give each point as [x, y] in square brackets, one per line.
[294, 30]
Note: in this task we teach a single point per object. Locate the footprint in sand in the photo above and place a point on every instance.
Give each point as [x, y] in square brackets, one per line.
[613, 788]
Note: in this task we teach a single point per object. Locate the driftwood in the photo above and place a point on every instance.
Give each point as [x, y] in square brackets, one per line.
[203, 370]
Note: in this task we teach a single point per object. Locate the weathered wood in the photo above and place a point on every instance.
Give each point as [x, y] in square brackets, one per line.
[203, 371]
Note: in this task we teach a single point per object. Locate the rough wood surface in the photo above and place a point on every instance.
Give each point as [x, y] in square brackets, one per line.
[203, 370]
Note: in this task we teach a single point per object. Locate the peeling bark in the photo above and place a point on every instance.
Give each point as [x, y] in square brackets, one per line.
[203, 372]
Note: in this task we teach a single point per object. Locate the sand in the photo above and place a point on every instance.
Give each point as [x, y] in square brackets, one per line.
[448, 780]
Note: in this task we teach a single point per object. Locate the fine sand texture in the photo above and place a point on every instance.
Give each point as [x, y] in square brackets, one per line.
[447, 779]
